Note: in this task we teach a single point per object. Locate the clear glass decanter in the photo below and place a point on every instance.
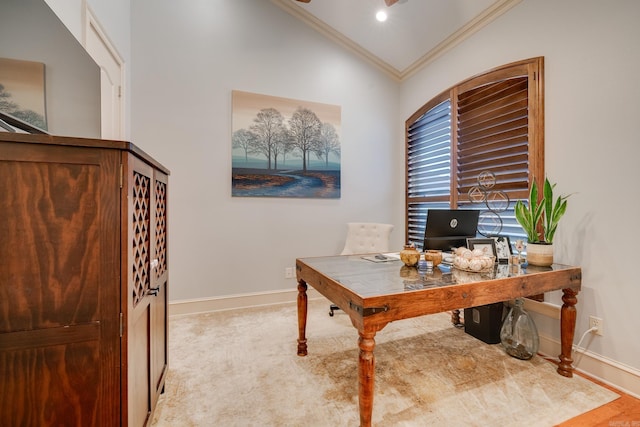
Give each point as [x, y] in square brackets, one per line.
[519, 335]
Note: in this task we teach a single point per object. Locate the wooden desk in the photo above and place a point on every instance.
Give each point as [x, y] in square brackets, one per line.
[374, 294]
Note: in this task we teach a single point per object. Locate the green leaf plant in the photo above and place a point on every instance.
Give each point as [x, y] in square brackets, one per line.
[553, 211]
[528, 215]
[543, 214]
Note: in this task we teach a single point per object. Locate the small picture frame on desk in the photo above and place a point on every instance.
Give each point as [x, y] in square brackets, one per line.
[503, 249]
[488, 246]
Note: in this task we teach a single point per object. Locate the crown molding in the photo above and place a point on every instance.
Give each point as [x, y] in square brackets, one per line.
[336, 36]
[485, 18]
[498, 8]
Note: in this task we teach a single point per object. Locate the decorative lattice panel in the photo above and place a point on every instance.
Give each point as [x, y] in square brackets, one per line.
[161, 228]
[140, 228]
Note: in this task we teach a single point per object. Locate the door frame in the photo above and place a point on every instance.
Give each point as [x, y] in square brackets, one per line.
[92, 25]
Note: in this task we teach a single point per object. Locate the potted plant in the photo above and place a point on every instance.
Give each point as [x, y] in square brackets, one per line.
[540, 221]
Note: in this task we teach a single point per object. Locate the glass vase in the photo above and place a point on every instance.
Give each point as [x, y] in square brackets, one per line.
[519, 335]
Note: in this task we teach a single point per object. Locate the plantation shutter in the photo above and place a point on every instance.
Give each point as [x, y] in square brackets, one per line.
[428, 167]
[493, 122]
[493, 134]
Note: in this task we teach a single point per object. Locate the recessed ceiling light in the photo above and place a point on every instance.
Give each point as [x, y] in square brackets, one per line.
[381, 16]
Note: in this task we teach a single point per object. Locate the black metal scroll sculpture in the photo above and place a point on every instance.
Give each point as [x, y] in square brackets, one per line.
[496, 201]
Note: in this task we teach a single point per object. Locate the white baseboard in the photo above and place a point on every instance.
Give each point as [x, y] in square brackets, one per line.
[232, 302]
[622, 377]
[615, 374]
[610, 372]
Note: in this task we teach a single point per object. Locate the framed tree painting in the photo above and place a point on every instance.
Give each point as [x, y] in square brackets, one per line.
[284, 147]
[22, 91]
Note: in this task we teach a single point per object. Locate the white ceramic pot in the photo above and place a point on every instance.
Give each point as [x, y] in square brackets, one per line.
[540, 254]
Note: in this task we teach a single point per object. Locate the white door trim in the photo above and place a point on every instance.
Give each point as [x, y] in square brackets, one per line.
[92, 26]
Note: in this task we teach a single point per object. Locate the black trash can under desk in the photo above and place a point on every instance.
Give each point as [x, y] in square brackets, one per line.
[484, 322]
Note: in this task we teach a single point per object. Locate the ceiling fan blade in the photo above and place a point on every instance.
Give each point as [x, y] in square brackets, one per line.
[304, 1]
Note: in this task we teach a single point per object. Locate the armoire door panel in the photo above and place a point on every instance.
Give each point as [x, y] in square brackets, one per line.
[139, 381]
[49, 244]
[59, 299]
[141, 236]
[160, 225]
[159, 362]
[140, 293]
[159, 341]
[51, 386]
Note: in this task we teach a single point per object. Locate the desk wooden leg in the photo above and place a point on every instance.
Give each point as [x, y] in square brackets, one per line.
[302, 318]
[455, 318]
[366, 373]
[567, 329]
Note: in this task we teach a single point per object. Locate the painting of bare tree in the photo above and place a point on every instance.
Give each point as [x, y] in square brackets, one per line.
[284, 147]
[22, 91]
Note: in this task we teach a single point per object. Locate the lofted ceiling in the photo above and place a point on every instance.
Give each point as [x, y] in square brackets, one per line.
[415, 32]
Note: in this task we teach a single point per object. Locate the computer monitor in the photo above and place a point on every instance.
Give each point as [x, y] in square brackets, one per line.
[449, 228]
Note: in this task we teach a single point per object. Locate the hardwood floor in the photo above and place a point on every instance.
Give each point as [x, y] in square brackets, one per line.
[622, 412]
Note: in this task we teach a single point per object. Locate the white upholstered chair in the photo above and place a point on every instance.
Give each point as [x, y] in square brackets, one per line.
[365, 238]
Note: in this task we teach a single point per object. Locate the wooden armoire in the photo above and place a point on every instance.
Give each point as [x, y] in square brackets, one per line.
[83, 282]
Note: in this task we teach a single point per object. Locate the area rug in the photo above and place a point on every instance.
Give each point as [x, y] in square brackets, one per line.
[240, 368]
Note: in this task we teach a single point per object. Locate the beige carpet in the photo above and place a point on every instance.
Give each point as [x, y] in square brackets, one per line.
[240, 368]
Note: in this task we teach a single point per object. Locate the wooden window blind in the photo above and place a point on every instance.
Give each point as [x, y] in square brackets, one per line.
[428, 167]
[491, 122]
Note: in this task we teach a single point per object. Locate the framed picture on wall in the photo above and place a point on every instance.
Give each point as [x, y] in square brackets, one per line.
[284, 147]
[503, 248]
[22, 91]
[488, 246]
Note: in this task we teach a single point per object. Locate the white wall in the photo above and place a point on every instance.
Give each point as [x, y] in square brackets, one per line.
[592, 149]
[70, 13]
[114, 17]
[187, 58]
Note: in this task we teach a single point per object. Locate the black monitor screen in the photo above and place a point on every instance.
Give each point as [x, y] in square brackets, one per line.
[450, 228]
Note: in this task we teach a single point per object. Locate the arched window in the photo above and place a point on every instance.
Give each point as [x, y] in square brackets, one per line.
[491, 122]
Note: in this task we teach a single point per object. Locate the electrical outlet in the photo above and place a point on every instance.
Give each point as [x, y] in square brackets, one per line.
[596, 322]
[288, 273]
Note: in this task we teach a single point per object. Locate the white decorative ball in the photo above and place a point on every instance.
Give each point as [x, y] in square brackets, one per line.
[475, 264]
[478, 253]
